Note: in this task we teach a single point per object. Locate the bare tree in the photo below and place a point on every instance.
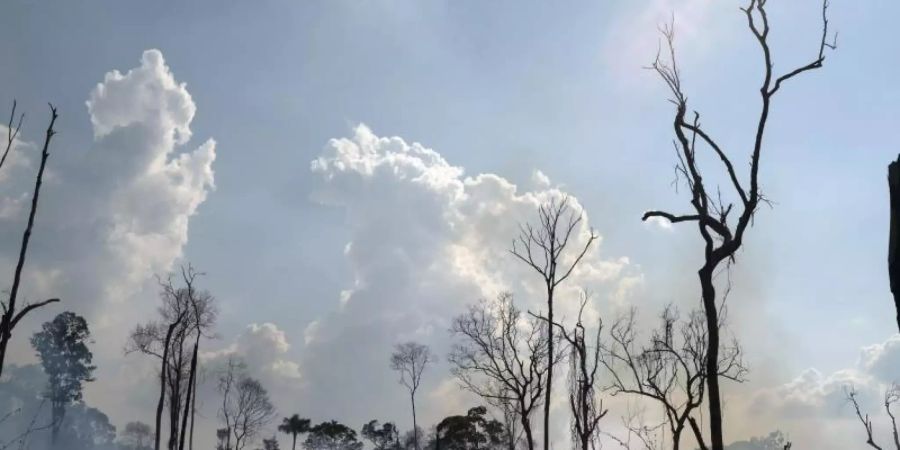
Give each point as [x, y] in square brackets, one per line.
[410, 360]
[722, 238]
[671, 370]
[545, 248]
[891, 397]
[11, 315]
[503, 357]
[246, 407]
[584, 364]
[187, 314]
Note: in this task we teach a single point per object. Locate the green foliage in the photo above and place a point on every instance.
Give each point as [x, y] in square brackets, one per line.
[332, 436]
[471, 431]
[293, 426]
[61, 347]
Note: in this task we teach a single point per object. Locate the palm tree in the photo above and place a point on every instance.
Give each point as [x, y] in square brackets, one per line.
[293, 426]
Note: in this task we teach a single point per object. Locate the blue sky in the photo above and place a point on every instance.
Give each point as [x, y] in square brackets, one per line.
[505, 88]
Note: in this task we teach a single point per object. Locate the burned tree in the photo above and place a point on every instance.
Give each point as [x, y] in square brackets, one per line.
[891, 397]
[245, 408]
[11, 315]
[187, 315]
[502, 359]
[409, 360]
[545, 248]
[723, 237]
[893, 250]
[585, 362]
[671, 370]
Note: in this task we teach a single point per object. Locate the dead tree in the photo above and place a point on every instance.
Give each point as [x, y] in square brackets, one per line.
[501, 359]
[203, 314]
[187, 315]
[891, 397]
[11, 316]
[585, 362]
[671, 370]
[246, 408]
[723, 237]
[409, 360]
[544, 248]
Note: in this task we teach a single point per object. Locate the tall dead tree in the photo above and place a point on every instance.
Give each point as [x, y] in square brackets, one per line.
[186, 314]
[502, 357]
[584, 364]
[246, 408]
[11, 316]
[723, 237]
[409, 360]
[545, 248]
[670, 369]
[891, 397]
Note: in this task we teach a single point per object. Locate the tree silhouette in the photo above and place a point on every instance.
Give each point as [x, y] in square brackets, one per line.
[61, 347]
[410, 359]
[186, 314]
[11, 315]
[891, 398]
[469, 432]
[669, 370]
[385, 437]
[270, 444]
[585, 362]
[722, 238]
[502, 357]
[332, 436]
[894, 243]
[245, 408]
[544, 248]
[293, 426]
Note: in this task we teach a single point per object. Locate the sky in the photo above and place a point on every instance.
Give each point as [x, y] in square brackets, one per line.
[350, 174]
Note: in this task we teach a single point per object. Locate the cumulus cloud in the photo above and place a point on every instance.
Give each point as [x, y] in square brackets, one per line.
[114, 215]
[264, 348]
[425, 239]
[813, 406]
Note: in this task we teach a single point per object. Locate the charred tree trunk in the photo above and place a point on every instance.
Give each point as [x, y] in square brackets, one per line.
[190, 394]
[10, 318]
[712, 356]
[550, 289]
[893, 263]
[529, 434]
[412, 399]
[193, 412]
[162, 382]
[175, 398]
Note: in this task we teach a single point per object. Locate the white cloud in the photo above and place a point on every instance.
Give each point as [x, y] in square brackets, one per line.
[425, 240]
[147, 95]
[111, 217]
[264, 348]
[813, 407]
